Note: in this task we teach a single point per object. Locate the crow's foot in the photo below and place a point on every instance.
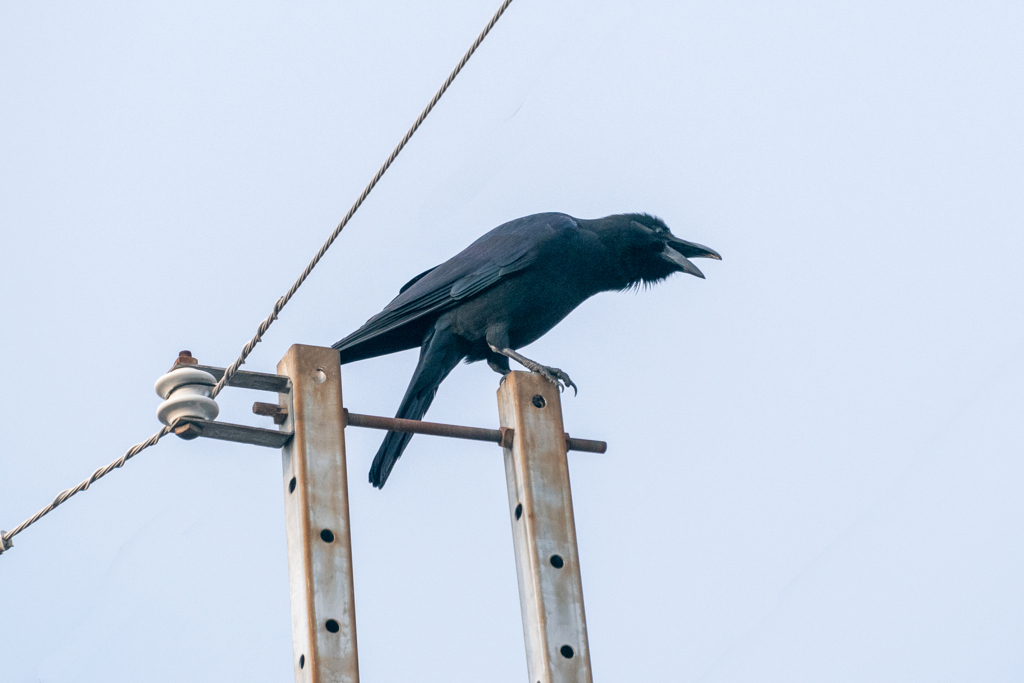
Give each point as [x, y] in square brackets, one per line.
[556, 377]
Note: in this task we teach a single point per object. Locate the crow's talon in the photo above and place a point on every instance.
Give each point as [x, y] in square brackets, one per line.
[566, 382]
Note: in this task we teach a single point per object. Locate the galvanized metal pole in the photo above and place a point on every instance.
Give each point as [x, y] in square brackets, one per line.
[316, 513]
[544, 531]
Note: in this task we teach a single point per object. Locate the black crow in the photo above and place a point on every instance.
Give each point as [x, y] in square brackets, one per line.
[505, 291]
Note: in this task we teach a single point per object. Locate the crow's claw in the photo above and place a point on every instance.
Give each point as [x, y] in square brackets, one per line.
[556, 377]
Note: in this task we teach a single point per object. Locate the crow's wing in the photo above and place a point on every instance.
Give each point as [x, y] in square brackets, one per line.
[506, 250]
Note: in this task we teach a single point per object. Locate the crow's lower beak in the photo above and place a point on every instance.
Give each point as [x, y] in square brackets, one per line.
[692, 249]
[674, 257]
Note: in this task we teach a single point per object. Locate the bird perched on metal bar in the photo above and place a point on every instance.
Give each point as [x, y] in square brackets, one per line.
[505, 291]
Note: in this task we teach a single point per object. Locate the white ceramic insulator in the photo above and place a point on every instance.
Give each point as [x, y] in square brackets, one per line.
[187, 394]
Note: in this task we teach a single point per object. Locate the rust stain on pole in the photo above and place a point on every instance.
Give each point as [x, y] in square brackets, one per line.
[317, 519]
[544, 531]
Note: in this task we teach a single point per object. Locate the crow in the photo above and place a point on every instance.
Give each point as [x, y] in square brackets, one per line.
[505, 291]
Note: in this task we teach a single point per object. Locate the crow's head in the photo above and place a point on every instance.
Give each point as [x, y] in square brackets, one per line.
[650, 252]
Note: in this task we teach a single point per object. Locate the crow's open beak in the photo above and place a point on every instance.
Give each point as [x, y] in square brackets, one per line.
[674, 257]
[692, 249]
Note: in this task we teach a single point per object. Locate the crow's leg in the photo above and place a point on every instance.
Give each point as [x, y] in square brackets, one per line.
[553, 375]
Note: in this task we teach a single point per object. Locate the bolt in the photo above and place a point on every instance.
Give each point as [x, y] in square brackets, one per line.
[278, 412]
[185, 358]
[187, 431]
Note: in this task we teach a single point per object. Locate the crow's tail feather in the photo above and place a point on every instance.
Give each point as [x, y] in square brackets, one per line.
[439, 355]
[395, 442]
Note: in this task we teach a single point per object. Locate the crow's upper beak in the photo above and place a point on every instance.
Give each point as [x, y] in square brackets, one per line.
[674, 257]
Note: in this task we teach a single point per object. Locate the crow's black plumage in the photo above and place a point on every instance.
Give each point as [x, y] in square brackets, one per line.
[505, 291]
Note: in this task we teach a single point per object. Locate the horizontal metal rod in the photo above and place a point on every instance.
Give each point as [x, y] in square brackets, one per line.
[396, 424]
[502, 437]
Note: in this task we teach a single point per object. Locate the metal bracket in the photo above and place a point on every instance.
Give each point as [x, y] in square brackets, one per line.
[192, 427]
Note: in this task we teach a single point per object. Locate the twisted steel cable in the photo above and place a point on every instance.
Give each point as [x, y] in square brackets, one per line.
[6, 536]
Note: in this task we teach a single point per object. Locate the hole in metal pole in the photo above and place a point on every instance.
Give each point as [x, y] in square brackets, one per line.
[320, 376]
[332, 626]
[291, 486]
[327, 535]
[519, 511]
[302, 661]
[567, 652]
[538, 401]
[557, 562]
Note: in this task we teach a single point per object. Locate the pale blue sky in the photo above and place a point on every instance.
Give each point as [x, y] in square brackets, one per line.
[815, 466]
